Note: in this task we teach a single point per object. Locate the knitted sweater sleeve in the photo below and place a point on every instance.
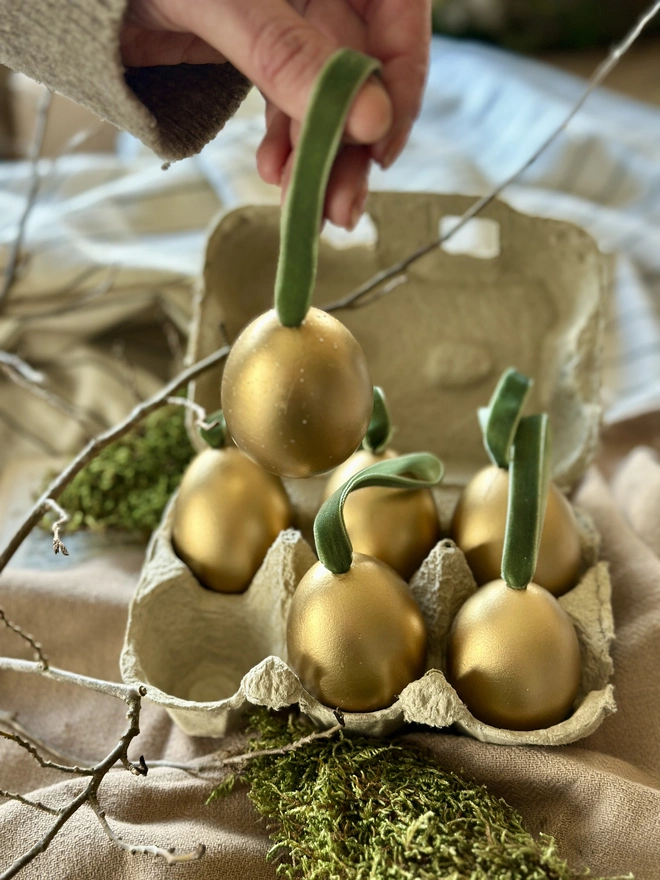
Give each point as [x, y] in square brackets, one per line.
[72, 47]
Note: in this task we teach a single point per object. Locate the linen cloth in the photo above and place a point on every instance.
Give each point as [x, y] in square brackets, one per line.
[114, 243]
[600, 797]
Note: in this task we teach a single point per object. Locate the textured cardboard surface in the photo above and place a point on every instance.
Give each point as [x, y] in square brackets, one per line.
[437, 344]
[207, 656]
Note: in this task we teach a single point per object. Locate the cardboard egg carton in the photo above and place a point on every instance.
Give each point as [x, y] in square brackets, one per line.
[437, 344]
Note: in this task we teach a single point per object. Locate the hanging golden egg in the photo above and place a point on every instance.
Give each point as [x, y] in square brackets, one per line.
[356, 639]
[479, 523]
[227, 514]
[297, 400]
[399, 527]
[514, 658]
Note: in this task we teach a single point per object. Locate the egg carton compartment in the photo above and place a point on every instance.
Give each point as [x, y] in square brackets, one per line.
[208, 657]
[437, 343]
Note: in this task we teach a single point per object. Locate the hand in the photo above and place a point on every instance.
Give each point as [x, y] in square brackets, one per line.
[281, 46]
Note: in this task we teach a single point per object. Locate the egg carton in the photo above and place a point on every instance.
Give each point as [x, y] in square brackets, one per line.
[534, 299]
[209, 657]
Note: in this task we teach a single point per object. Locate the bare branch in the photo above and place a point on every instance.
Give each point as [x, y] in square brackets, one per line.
[199, 411]
[36, 805]
[43, 762]
[601, 72]
[216, 763]
[60, 482]
[170, 856]
[23, 375]
[133, 698]
[14, 627]
[58, 546]
[33, 156]
[21, 367]
[10, 719]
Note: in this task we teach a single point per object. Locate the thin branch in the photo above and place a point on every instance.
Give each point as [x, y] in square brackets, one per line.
[44, 762]
[33, 156]
[21, 368]
[601, 72]
[9, 719]
[207, 765]
[36, 805]
[58, 546]
[196, 408]
[60, 482]
[170, 856]
[17, 372]
[38, 650]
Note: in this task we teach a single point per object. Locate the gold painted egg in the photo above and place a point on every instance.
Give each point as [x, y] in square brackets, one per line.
[514, 658]
[297, 400]
[227, 514]
[479, 523]
[398, 526]
[357, 639]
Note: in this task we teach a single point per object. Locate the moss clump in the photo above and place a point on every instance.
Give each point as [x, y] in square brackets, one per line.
[129, 482]
[365, 809]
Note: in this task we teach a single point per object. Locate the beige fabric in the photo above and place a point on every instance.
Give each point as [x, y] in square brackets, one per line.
[73, 48]
[600, 797]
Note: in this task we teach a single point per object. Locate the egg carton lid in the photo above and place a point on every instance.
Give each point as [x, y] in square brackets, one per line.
[526, 292]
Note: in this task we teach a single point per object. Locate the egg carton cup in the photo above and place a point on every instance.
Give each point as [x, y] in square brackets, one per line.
[209, 657]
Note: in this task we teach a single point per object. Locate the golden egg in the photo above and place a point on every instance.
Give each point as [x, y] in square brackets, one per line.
[514, 658]
[227, 514]
[479, 523]
[357, 639]
[398, 526]
[297, 399]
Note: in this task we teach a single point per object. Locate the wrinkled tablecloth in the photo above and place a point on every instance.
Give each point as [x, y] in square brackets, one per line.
[139, 235]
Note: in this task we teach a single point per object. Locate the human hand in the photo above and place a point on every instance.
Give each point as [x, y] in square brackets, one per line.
[281, 47]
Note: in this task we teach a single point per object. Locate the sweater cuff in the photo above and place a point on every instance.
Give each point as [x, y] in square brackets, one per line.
[73, 48]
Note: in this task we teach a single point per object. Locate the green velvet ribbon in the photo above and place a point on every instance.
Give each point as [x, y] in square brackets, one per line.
[216, 433]
[421, 470]
[529, 477]
[334, 92]
[379, 432]
[500, 418]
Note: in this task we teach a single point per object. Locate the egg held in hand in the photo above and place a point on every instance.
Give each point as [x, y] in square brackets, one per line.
[355, 634]
[227, 513]
[297, 400]
[400, 527]
[479, 524]
[296, 390]
[513, 657]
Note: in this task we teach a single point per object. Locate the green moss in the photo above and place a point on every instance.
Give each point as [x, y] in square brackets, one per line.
[364, 809]
[129, 482]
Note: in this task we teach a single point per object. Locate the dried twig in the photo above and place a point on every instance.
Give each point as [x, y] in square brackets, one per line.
[58, 546]
[60, 482]
[36, 647]
[33, 156]
[37, 805]
[171, 858]
[601, 72]
[10, 719]
[199, 411]
[26, 377]
[96, 773]
[212, 762]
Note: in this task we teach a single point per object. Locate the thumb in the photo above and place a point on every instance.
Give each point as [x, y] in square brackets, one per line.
[282, 54]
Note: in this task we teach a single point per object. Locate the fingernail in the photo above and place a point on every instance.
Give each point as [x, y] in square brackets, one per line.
[358, 207]
[394, 148]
